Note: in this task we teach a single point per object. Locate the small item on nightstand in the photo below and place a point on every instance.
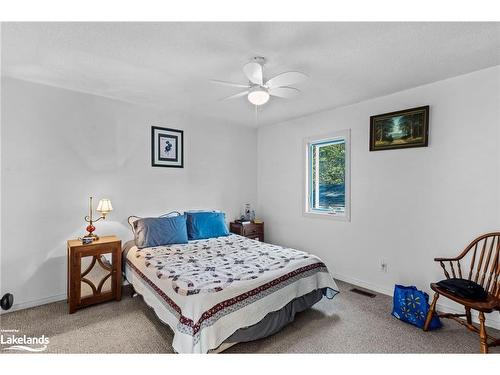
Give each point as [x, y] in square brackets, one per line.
[246, 212]
[257, 221]
[242, 221]
[86, 240]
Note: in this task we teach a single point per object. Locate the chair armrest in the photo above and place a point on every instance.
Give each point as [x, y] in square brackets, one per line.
[447, 259]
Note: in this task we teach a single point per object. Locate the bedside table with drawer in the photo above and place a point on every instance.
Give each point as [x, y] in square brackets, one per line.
[253, 230]
[94, 277]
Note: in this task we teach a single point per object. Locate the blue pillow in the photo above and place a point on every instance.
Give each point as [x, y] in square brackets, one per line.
[201, 225]
[152, 231]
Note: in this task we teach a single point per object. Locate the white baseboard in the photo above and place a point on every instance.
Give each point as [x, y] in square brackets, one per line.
[42, 301]
[364, 284]
[492, 320]
[34, 303]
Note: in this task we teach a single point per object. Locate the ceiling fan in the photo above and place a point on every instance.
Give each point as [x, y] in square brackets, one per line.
[259, 91]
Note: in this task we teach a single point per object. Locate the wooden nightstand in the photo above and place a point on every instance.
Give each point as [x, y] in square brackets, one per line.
[253, 230]
[93, 278]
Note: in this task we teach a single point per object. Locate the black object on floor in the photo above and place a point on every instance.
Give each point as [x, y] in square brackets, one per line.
[363, 292]
[7, 301]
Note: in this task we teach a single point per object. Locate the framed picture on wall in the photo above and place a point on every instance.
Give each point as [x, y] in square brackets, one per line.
[167, 147]
[401, 129]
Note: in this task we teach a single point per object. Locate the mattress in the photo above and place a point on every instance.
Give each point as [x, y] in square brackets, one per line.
[207, 290]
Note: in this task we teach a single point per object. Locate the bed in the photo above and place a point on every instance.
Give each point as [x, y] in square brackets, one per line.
[219, 291]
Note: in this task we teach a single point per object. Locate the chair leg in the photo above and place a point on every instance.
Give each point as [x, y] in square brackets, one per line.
[468, 315]
[482, 334]
[431, 312]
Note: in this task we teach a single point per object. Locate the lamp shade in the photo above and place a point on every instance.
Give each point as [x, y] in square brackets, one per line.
[104, 206]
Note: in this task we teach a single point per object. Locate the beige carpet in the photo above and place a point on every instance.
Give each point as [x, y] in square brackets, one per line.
[349, 323]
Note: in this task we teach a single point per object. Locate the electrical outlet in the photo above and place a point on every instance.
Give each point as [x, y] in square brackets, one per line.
[383, 265]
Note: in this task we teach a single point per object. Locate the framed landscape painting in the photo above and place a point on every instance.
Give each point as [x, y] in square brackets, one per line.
[401, 129]
[167, 147]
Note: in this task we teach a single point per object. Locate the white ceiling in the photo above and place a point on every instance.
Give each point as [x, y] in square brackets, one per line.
[169, 65]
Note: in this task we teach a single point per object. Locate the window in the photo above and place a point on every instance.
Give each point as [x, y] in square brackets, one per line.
[327, 176]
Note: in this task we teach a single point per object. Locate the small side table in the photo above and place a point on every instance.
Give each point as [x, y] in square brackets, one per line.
[94, 277]
[255, 231]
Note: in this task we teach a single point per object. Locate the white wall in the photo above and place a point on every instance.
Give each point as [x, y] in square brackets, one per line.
[408, 206]
[59, 147]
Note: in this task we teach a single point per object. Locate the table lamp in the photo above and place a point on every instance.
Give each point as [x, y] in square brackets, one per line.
[104, 207]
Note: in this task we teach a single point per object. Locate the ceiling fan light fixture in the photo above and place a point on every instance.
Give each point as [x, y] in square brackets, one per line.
[258, 96]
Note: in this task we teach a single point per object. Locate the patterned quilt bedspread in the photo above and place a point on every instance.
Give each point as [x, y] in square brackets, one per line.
[208, 289]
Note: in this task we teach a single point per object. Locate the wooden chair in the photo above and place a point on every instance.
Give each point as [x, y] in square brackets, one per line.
[485, 251]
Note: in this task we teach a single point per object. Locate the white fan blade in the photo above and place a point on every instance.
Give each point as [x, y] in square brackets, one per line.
[253, 71]
[236, 95]
[284, 92]
[285, 79]
[229, 83]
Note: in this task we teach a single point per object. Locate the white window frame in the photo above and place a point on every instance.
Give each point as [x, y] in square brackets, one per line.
[330, 137]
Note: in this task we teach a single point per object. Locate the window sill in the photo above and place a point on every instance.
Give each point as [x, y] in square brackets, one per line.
[326, 215]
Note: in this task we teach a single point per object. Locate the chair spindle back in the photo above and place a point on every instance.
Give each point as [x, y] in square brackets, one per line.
[484, 267]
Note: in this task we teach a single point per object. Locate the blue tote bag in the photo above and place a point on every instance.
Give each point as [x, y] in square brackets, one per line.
[412, 305]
